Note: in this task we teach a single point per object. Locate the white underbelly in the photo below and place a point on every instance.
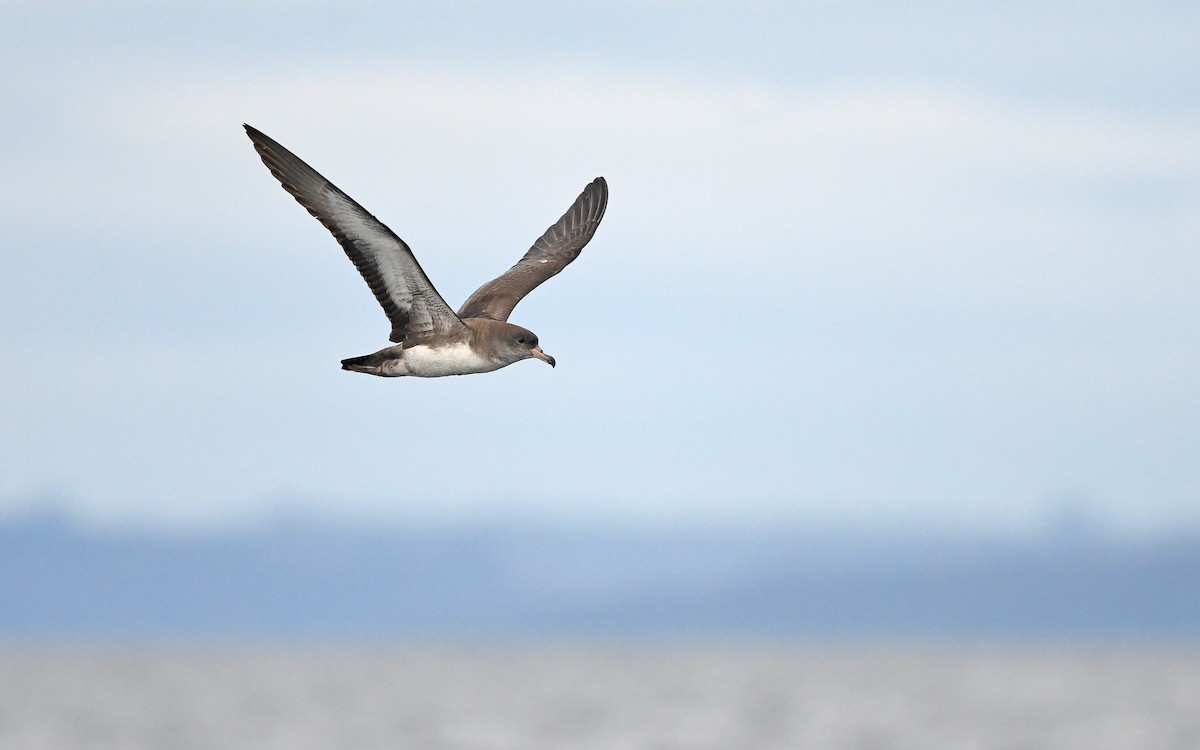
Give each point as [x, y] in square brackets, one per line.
[456, 359]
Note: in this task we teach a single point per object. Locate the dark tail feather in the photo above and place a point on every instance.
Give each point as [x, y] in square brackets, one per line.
[375, 364]
[368, 363]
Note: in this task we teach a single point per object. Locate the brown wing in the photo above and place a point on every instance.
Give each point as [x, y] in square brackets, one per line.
[560, 245]
[383, 259]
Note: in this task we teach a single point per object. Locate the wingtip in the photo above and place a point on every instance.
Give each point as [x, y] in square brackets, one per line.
[598, 186]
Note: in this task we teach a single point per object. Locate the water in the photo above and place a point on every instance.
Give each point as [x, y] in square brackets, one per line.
[578, 696]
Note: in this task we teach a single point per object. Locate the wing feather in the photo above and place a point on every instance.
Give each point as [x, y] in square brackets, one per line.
[407, 296]
[558, 246]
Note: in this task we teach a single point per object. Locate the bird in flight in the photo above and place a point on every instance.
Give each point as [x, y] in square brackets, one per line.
[430, 339]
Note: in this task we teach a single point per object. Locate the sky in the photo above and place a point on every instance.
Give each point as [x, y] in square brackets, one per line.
[902, 265]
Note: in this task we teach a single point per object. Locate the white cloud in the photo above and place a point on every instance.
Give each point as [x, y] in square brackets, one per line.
[896, 188]
[729, 143]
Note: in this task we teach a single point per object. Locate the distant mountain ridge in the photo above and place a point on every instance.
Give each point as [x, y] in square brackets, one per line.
[309, 580]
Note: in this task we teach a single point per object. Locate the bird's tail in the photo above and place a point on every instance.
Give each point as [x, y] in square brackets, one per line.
[369, 363]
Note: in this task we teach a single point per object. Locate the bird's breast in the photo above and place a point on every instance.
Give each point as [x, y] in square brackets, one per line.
[452, 359]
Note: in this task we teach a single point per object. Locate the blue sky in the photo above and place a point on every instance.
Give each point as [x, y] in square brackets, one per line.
[861, 264]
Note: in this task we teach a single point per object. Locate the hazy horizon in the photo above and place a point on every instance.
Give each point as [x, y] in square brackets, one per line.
[333, 581]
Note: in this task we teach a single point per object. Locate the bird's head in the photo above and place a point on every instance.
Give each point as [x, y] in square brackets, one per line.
[522, 343]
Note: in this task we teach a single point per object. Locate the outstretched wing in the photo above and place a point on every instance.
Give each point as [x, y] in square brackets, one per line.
[383, 259]
[560, 245]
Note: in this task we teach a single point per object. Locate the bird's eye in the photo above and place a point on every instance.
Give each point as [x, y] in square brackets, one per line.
[521, 340]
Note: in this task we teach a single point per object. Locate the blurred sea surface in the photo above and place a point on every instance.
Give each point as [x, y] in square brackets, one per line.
[578, 695]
